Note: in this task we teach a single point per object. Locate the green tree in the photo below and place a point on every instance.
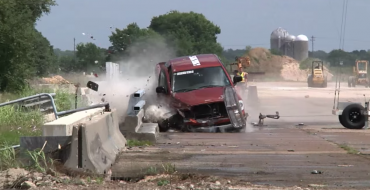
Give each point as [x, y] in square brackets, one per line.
[23, 50]
[191, 33]
[338, 55]
[133, 40]
[89, 57]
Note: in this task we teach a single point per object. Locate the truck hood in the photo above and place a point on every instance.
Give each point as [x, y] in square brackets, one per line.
[201, 96]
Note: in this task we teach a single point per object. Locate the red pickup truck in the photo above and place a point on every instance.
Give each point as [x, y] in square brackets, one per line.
[202, 94]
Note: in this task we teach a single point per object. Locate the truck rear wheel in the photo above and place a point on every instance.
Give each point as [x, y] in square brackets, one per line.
[352, 117]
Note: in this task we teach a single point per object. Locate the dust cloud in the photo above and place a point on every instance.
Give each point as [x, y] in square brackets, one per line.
[249, 108]
[138, 72]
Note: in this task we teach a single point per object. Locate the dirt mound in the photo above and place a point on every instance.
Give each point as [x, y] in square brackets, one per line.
[57, 79]
[291, 70]
[263, 60]
[278, 67]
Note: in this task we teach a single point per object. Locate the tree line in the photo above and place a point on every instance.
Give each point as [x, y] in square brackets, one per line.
[25, 53]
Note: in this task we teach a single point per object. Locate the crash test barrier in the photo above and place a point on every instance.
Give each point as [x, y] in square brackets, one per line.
[133, 127]
[96, 143]
[252, 95]
[85, 139]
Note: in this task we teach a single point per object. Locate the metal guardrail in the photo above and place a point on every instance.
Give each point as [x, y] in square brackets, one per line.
[136, 103]
[43, 103]
[56, 113]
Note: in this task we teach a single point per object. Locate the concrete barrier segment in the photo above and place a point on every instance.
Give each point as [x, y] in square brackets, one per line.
[63, 125]
[134, 129]
[96, 144]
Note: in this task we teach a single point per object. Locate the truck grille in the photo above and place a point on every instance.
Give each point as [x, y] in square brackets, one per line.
[203, 111]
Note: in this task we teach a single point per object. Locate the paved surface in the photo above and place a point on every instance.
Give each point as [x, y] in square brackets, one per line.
[281, 153]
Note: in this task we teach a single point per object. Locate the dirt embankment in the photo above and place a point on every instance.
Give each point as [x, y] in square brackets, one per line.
[278, 67]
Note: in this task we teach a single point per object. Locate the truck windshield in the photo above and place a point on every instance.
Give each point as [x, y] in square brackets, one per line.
[185, 81]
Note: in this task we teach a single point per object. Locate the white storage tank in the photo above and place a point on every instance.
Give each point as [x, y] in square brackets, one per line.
[301, 47]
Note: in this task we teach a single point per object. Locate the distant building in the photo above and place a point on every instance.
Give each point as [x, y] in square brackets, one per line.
[289, 45]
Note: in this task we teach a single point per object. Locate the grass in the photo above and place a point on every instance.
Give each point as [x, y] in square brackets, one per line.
[32, 160]
[349, 149]
[133, 143]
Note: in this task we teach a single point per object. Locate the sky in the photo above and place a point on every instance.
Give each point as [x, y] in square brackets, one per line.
[242, 22]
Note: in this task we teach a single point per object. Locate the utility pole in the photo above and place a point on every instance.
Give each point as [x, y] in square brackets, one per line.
[74, 48]
[312, 40]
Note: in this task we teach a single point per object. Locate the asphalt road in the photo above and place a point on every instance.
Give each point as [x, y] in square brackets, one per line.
[281, 153]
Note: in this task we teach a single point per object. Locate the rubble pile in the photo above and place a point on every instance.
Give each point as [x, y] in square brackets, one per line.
[57, 79]
[22, 179]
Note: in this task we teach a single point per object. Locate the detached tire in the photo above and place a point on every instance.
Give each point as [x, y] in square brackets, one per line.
[352, 117]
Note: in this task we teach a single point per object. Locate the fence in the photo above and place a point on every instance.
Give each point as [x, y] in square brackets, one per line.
[112, 70]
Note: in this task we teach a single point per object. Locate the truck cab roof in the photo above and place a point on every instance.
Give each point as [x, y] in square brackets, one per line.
[189, 62]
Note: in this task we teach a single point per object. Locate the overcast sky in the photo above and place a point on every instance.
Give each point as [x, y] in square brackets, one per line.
[242, 22]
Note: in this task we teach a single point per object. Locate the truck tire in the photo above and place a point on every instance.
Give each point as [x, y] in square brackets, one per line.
[352, 118]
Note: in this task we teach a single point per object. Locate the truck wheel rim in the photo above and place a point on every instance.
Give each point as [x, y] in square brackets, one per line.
[355, 116]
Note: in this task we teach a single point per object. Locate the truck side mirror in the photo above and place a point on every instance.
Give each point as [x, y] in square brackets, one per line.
[160, 89]
[237, 79]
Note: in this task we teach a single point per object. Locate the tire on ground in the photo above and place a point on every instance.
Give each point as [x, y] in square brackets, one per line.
[352, 118]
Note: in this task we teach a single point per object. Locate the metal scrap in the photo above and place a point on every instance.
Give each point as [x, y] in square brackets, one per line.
[263, 117]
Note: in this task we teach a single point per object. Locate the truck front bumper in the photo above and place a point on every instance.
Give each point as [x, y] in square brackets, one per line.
[215, 129]
[208, 125]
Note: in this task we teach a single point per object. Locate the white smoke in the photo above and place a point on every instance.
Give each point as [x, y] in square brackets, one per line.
[137, 73]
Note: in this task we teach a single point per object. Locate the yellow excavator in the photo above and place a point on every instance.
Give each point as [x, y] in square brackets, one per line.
[360, 74]
[243, 62]
[317, 78]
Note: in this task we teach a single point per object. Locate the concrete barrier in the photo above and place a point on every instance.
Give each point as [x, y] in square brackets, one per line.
[133, 127]
[63, 126]
[96, 144]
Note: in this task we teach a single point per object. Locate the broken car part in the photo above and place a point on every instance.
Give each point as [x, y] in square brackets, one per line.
[263, 117]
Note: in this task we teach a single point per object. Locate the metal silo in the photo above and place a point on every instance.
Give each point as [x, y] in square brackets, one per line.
[301, 47]
[278, 38]
[289, 46]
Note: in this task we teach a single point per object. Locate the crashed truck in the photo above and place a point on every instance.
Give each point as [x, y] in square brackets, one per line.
[200, 96]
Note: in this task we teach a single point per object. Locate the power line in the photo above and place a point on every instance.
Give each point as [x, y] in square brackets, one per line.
[345, 22]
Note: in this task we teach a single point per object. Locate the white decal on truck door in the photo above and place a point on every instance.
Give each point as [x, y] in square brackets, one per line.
[194, 60]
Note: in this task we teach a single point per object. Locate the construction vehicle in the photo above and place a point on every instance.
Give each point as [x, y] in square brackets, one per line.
[317, 78]
[360, 74]
[243, 62]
